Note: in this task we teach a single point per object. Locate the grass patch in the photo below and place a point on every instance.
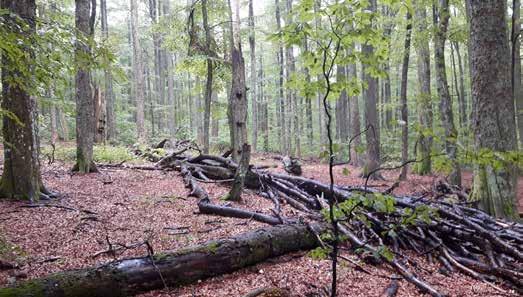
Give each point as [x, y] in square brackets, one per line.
[101, 154]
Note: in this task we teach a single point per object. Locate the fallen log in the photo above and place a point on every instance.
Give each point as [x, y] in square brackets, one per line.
[175, 268]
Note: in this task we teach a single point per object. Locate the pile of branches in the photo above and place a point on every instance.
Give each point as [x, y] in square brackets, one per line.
[459, 237]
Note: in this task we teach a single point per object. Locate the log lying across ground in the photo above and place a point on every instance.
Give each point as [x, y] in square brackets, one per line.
[179, 267]
[459, 237]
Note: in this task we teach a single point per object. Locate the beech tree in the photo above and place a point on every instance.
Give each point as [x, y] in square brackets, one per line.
[495, 178]
[21, 177]
[138, 90]
[441, 20]
[85, 15]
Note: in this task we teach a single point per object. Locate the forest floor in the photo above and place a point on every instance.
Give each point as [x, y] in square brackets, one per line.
[122, 208]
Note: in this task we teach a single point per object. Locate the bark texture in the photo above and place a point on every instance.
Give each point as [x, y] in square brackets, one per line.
[138, 90]
[21, 171]
[208, 83]
[372, 160]
[494, 124]
[237, 96]
[183, 266]
[447, 118]
[403, 98]
[109, 95]
[424, 98]
[85, 99]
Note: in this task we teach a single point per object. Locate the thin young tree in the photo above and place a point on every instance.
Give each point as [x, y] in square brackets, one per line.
[516, 66]
[424, 98]
[85, 106]
[495, 180]
[441, 20]
[108, 79]
[208, 82]
[253, 81]
[21, 177]
[138, 81]
[282, 131]
[403, 97]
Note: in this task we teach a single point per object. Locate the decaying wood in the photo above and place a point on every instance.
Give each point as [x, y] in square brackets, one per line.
[183, 266]
[292, 165]
[462, 238]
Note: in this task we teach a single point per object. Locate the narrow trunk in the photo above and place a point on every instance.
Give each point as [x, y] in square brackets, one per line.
[459, 96]
[208, 83]
[463, 102]
[293, 142]
[355, 124]
[85, 105]
[441, 18]
[282, 131]
[109, 95]
[516, 67]
[308, 100]
[403, 98]
[254, 103]
[494, 124]
[424, 102]
[138, 84]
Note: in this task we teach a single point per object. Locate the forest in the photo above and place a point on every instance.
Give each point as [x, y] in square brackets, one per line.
[261, 148]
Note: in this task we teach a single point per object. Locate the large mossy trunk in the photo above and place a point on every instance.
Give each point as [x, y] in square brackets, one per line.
[495, 178]
[21, 172]
[183, 266]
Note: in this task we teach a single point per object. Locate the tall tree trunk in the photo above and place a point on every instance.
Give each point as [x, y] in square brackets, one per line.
[516, 67]
[282, 131]
[85, 105]
[109, 94]
[403, 98]
[292, 100]
[494, 125]
[237, 96]
[253, 81]
[355, 124]
[21, 177]
[463, 95]
[441, 20]
[372, 161]
[208, 83]
[169, 65]
[138, 71]
[321, 125]
[387, 92]
[459, 96]
[424, 104]
[308, 99]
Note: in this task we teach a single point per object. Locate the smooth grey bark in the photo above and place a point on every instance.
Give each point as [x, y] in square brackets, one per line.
[85, 105]
[308, 100]
[441, 19]
[169, 65]
[282, 131]
[424, 97]
[403, 98]
[21, 177]
[138, 85]
[342, 112]
[457, 90]
[355, 121]
[463, 110]
[253, 82]
[208, 81]
[372, 160]
[494, 124]
[387, 91]
[516, 66]
[108, 81]
[292, 99]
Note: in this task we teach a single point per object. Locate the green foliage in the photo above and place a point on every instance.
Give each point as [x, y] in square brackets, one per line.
[101, 153]
[319, 253]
